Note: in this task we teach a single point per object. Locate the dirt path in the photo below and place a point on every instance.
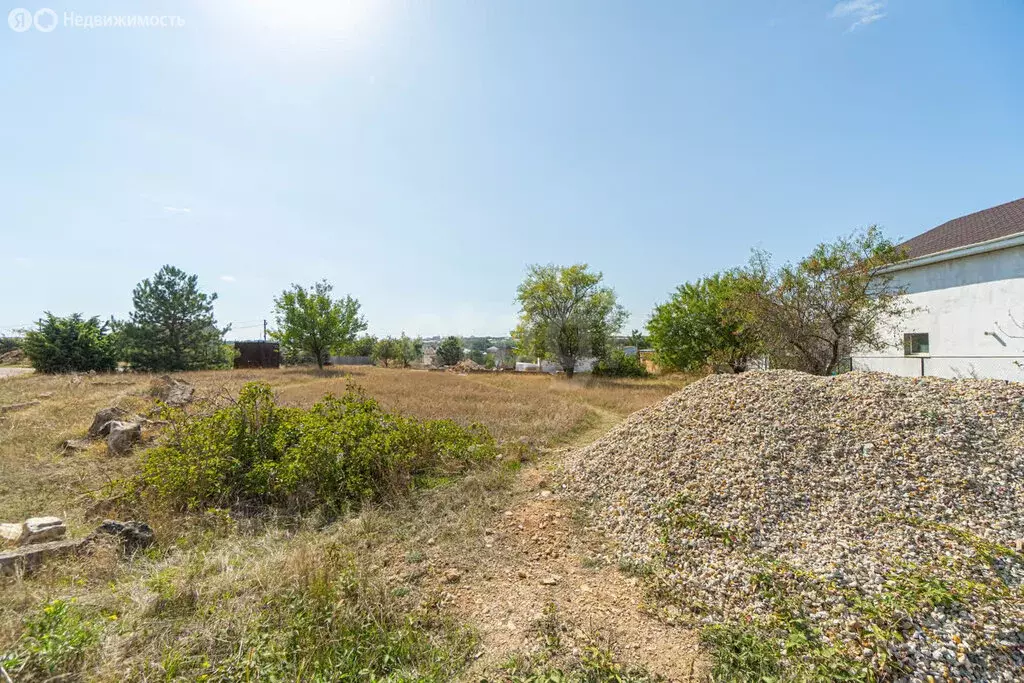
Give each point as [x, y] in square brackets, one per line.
[13, 372]
[540, 557]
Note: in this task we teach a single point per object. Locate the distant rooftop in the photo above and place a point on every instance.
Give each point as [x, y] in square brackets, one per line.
[999, 221]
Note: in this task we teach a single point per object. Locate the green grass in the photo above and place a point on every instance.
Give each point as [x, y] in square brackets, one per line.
[635, 568]
[343, 628]
[742, 653]
[568, 655]
[788, 646]
[54, 643]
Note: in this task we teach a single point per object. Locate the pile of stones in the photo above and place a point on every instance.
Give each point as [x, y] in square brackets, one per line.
[882, 516]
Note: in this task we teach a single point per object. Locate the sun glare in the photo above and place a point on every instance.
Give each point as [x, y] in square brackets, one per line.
[316, 24]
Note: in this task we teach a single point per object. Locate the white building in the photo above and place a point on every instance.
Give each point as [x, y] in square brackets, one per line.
[966, 278]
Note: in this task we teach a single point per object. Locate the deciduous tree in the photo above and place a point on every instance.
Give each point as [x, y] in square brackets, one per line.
[704, 324]
[361, 346]
[565, 314]
[386, 351]
[408, 349]
[812, 314]
[310, 321]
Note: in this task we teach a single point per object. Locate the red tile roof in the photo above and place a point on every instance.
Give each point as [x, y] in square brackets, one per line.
[999, 221]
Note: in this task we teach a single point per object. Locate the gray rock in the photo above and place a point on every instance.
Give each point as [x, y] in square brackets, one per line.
[174, 392]
[12, 532]
[27, 558]
[72, 445]
[101, 422]
[122, 436]
[42, 530]
[18, 406]
[132, 535]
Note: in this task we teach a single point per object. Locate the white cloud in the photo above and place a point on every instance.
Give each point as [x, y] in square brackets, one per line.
[227, 278]
[862, 12]
[177, 209]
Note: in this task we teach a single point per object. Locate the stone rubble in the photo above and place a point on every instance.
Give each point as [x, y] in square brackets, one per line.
[133, 535]
[174, 392]
[122, 437]
[40, 539]
[102, 421]
[19, 406]
[842, 499]
[33, 530]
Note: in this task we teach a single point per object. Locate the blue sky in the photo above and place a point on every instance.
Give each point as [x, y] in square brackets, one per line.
[420, 153]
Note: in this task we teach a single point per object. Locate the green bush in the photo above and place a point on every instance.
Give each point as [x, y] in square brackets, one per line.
[9, 344]
[71, 344]
[342, 450]
[618, 364]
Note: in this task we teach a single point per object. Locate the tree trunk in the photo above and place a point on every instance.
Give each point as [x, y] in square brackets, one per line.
[569, 371]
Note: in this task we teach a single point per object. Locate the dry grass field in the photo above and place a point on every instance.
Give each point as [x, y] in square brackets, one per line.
[222, 597]
[35, 478]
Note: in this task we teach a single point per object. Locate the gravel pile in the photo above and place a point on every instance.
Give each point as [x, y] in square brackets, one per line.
[881, 516]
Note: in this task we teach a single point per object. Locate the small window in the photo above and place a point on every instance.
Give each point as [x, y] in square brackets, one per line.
[915, 343]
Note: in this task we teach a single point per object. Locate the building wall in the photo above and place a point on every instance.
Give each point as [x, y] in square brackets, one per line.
[351, 360]
[551, 367]
[965, 307]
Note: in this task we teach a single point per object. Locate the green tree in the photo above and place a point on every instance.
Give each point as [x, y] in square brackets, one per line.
[637, 339]
[449, 351]
[172, 326]
[71, 344]
[361, 346]
[703, 324]
[408, 350]
[813, 314]
[310, 321]
[386, 350]
[618, 364]
[566, 314]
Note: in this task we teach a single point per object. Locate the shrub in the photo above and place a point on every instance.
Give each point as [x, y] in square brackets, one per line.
[340, 451]
[618, 364]
[71, 344]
